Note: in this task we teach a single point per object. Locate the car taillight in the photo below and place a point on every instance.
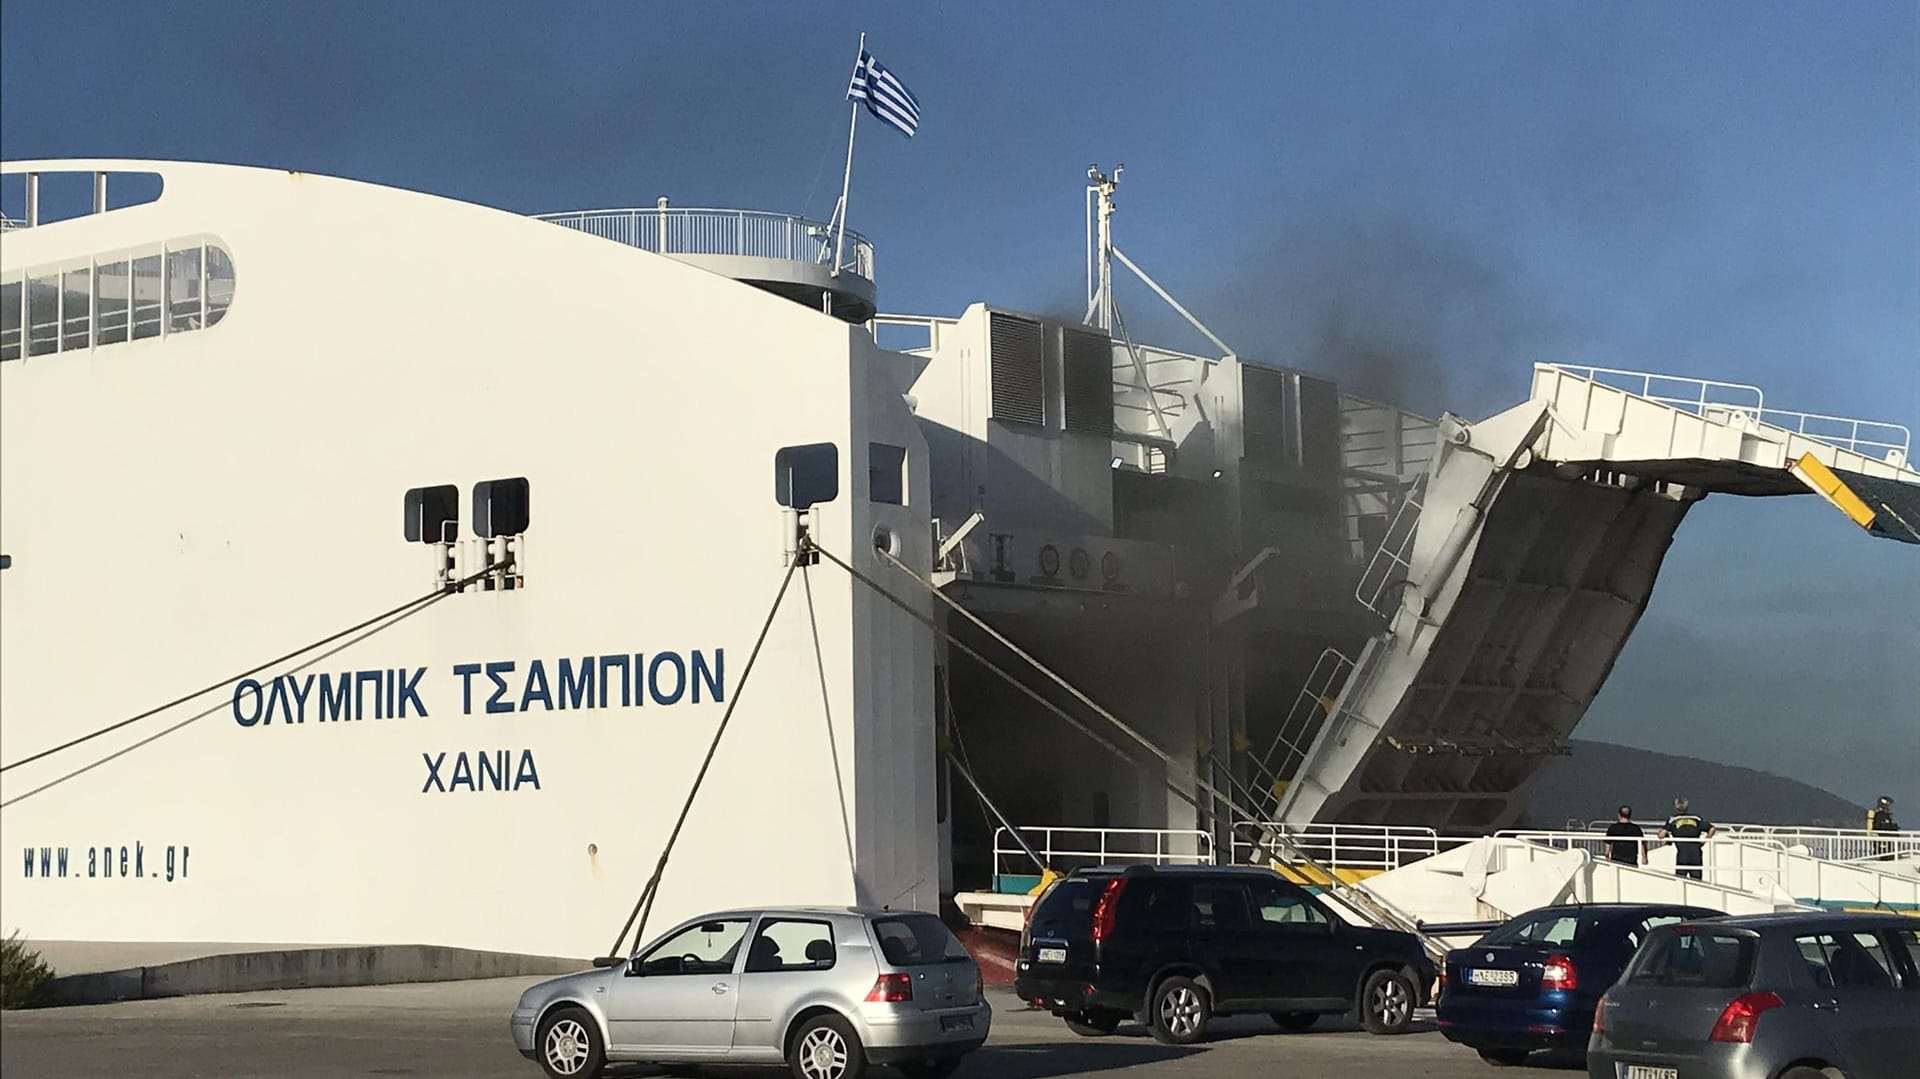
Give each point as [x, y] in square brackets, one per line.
[1600, 1015]
[1738, 1021]
[1559, 973]
[1107, 909]
[891, 989]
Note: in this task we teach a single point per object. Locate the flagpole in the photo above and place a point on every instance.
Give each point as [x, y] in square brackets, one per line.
[846, 177]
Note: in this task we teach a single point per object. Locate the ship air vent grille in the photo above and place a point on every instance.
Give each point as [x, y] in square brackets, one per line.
[1269, 432]
[1087, 379]
[1016, 370]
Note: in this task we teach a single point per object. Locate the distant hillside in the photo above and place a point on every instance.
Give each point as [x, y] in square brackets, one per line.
[1592, 782]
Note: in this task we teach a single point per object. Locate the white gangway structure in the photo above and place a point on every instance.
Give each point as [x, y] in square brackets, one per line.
[1514, 572]
[1450, 888]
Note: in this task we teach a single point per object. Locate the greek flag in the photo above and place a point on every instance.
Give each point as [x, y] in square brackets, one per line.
[886, 97]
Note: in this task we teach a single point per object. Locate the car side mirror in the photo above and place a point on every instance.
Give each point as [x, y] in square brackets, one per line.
[635, 967]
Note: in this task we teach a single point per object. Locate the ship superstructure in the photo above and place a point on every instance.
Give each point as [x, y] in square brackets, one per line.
[612, 438]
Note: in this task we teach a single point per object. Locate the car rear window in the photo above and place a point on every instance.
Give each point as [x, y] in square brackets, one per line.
[1550, 927]
[917, 940]
[1067, 908]
[1693, 958]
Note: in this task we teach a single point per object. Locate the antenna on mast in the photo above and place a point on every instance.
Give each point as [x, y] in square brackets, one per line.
[1100, 246]
[1100, 255]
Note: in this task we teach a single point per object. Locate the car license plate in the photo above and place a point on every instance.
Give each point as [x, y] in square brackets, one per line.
[956, 1022]
[1493, 977]
[1053, 955]
[1648, 1071]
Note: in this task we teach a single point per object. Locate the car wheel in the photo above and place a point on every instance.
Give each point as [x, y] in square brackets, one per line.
[570, 1046]
[938, 1068]
[1093, 1024]
[827, 1048]
[1505, 1058]
[1386, 1002]
[1804, 1073]
[1180, 1012]
[1295, 1021]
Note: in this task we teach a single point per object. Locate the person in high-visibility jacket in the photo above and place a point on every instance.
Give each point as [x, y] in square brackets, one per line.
[1686, 830]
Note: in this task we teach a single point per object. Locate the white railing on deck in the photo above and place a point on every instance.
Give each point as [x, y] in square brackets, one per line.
[675, 230]
[1835, 844]
[1699, 396]
[1353, 846]
[1830, 844]
[1868, 438]
[934, 327]
[1720, 401]
[1068, 848]
[1760, 864]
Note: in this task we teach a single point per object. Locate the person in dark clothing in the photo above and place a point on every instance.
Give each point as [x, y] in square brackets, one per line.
[1687, 829]
[1625, 840]
[1881, 823]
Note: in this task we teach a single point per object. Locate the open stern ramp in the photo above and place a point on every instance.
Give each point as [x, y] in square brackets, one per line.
[1513, 581]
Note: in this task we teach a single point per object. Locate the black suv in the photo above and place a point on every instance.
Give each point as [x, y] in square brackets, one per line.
[1175, 946]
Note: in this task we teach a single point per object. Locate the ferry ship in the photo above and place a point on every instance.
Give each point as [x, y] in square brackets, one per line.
[378, 568]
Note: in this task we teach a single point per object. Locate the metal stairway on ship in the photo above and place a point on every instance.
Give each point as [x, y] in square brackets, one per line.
[1515, 571]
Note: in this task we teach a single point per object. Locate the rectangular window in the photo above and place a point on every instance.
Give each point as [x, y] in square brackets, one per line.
[12, 295]
[1698, 959]
[112, 287]
[500, 507]
[148, 302]
[1066, 909]
[43, 315]
[1846, 961]
[917, 940]
[183, 291]
[432, 514]
[886, 474]
[1222, 907]
[1284, 906]
[219, 283]
[1550, 928]
[708, 948]
[787, 944]
[76, 328]
[1165, 907]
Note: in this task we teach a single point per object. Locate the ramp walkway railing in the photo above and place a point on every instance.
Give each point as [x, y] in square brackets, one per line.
[1836, 844]
[1758, 866]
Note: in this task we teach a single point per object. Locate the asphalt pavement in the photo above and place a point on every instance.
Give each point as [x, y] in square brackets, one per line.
[460, 1029]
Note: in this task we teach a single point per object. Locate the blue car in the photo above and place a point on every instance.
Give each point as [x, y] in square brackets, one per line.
[1533, 982]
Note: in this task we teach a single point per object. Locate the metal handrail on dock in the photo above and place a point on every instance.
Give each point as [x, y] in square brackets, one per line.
[1086, 847]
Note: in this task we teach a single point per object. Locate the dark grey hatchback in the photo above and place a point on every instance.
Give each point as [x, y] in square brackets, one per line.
[1769, 996]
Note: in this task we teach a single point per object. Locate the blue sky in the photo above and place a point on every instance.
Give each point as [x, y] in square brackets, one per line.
[1421, 198]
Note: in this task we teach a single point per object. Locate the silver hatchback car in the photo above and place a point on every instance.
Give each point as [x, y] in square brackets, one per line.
[825, 991]
[1767, 996]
